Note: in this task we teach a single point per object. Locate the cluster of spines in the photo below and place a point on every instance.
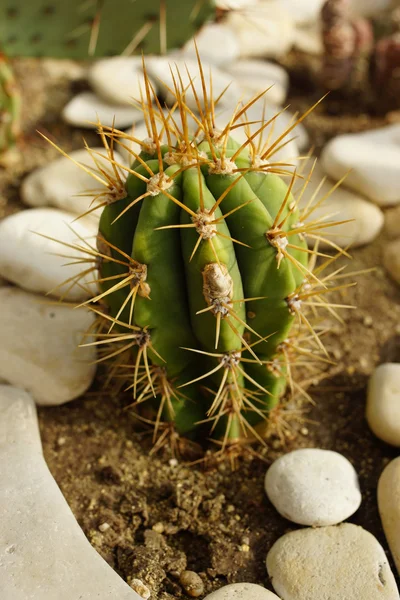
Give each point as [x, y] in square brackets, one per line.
[211, 149]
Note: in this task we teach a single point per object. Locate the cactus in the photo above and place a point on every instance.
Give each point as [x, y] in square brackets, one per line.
[77, 28]
[205, 274]
[10, 104]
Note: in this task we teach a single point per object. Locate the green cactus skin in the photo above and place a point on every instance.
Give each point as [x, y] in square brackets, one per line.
[76, 28]
[203, 267]
[10, 107]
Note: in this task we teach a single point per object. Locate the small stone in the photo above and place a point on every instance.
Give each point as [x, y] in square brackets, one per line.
[216, 43]
[44, 553]
[391, 260]
[265, 30]
[191, 583]
[39, 347]
[255, 76]
[103, 527]
[37, 263]
[118, 80]
[364, 220]
[60, 181]
[313, 487]
[242, 591]
[140, 588]
[392, 222]
[158, 68]
[373, 159]
[383, 403]
[331, 563]
[86, 109]
[389, 507]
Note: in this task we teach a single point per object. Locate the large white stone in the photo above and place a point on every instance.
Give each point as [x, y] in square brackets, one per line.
[58, 183]
[39, 347]
[364, 219]
[374, 159]
[313, 487]
[39, 264]
[242, 591]
[118, 80]
[389, 507]
[264, 30]
[391, 259]
[216, 43]
[383, 403]
[344, 562]
[303, 11]
[254, 76]
[44, 554]
[86, 109]
[158, 67]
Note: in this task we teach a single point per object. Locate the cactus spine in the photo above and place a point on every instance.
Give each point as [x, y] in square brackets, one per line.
[204, 272]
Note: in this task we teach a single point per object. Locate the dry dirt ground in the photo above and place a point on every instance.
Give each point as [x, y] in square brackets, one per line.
[165, 517]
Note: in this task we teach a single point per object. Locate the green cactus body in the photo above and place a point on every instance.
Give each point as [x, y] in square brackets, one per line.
[205, 297]
[10, 107]
[104, 27]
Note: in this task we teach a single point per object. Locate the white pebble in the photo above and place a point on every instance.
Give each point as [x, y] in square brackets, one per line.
[37, 263]
[216, 43]
[118, 80]
[140, 588]
[39, 347]
[86, 109]
[263, 30]
[255, 76]
[59, 182]
[374, 159]
[364, 220]
[344, 562]
[389, 507]
[313, 487]
[391, 260]
[44, 553]
[158, 67]
[242, 591]
[383, 403]
[303, 11]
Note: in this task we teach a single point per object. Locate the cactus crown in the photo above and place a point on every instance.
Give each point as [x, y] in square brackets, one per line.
[207, 285]
[105, 27]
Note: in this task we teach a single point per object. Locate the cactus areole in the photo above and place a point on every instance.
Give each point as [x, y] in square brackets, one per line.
[204, 271]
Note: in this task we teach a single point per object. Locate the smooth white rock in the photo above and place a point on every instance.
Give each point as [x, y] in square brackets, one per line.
[302, 11]
[242, 591]
[158, 68]
[254, 76]
[264, 30]
[44, 554]
[389, 507]
[313, 487]
[365, 220]
[39, 347]
[118, 80]
[59, 182]
[374, 160]
[39, 264]
[391, 259]
[383, 403]
[216, 43]
[343, 562]
[86, 109]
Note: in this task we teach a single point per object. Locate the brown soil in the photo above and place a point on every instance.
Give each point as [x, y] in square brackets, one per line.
[165, 517]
